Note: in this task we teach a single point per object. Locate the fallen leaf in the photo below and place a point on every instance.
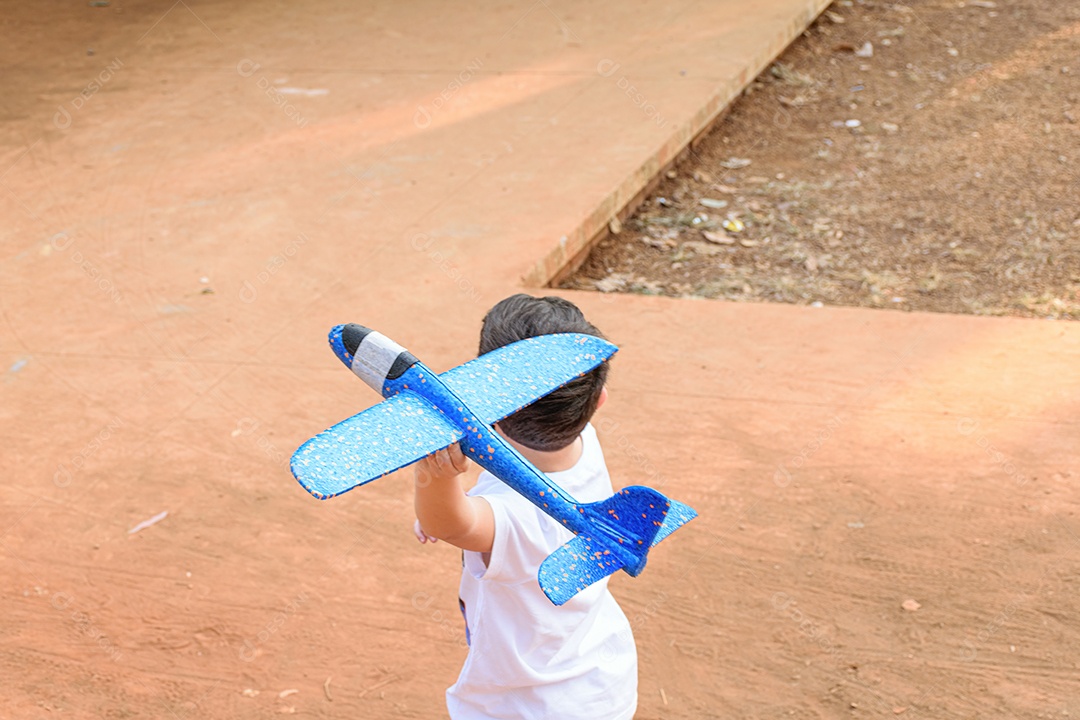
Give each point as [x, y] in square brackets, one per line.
[795, 102]
[610, 284]
[714, 204]
[718, 238]
[287, 693]
[748, 243]
[702, 248]
[735, 163]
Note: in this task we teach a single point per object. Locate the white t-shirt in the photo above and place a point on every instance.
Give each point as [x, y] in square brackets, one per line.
[528, 658]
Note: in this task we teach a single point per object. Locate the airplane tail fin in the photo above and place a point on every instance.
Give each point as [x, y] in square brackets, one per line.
[626, 525]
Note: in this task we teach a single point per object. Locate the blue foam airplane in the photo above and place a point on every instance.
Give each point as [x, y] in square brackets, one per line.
[425, 412]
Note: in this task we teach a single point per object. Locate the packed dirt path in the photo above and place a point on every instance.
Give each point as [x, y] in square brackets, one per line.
[191, 207]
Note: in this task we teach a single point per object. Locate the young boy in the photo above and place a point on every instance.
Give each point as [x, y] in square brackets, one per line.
[527, 657]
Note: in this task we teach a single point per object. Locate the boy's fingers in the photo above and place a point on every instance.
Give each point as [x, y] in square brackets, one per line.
[457, 457]
[442, 458]
[449, 460]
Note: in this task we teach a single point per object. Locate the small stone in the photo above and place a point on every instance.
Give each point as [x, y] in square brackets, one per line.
[748, 243]
[615, 226]
[852, 123]
[834, 17]
[249, 692]
[910, 605]
[671, 174]
[866, 51]
[890, 128]
[713, 203]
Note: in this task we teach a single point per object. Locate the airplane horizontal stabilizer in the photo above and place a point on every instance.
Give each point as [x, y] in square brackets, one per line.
[574, 567]
[678, 514]
[626, 526]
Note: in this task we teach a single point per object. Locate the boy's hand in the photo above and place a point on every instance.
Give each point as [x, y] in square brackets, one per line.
[422, 536]
[444, 510]
[446, 464]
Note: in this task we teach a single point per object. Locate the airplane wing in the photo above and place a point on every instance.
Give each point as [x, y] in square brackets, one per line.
[507, 379]
[386, 437]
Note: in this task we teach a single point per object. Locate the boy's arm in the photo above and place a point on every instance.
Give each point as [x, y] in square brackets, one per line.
[443, 508]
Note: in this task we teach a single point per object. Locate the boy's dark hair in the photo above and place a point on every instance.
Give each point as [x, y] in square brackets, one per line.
[555, 420]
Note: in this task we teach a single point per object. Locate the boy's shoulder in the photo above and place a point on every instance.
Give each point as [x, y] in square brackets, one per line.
[586, 481]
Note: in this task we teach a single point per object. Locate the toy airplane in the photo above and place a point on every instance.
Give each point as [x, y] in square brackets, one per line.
[425, 412]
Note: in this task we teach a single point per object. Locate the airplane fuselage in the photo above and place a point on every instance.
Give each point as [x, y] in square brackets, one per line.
[483, 445]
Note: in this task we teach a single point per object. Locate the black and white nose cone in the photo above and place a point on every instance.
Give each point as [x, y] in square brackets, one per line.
[375, 358]
[352, 335]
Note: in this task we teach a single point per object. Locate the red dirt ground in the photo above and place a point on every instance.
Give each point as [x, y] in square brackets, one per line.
[844, 461]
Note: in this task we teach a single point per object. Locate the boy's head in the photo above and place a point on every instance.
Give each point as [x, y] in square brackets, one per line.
[555, 420]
